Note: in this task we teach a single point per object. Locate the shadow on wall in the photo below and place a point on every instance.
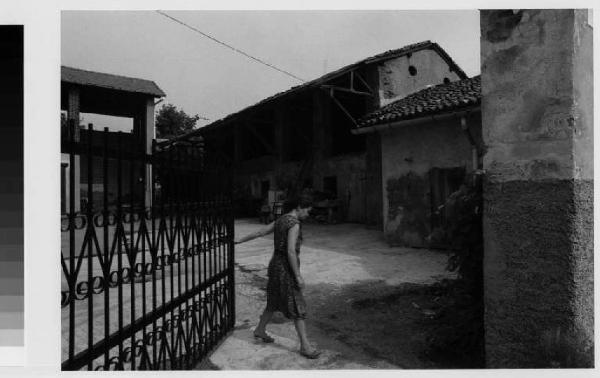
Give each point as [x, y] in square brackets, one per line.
[416, 207]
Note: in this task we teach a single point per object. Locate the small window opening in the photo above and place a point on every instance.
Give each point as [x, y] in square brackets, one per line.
[412, 70]
[446, 80]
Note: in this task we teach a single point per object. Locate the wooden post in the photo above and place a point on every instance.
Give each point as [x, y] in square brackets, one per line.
[73, 116]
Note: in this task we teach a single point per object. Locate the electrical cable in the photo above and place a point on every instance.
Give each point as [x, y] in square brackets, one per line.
[229, 46]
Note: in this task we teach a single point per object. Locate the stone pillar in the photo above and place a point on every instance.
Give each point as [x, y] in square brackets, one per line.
[73, 115]
[149, 135]
[538, 214]
[144, 133]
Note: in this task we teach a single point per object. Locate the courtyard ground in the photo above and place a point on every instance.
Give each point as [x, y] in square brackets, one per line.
[370, 305]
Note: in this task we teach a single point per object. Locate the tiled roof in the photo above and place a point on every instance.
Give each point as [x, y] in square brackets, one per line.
[373, 59]
[104, 80]
[437, 99]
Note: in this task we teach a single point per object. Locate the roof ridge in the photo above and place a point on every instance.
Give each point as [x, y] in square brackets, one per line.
[389, 54]
[106, 73]
[80, 76]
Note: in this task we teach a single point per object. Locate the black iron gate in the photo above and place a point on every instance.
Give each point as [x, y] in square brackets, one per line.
[146, 254]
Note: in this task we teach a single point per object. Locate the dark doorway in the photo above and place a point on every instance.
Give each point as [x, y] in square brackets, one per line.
[330, 186]
[264, 189]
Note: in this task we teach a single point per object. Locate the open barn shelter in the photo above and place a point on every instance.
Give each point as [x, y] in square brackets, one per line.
[112, 95]
[301, 138]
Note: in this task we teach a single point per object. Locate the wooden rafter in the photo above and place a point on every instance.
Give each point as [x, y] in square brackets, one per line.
[339, 104]
[351, 89]
[347, 90]
[364, 82]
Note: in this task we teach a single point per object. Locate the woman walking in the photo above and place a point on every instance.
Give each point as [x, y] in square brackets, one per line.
[285, 285]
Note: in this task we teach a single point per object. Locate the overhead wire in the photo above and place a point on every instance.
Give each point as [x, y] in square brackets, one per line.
[229, 46]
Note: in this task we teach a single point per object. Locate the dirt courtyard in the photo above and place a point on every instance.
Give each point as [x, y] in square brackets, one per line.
[369, 304]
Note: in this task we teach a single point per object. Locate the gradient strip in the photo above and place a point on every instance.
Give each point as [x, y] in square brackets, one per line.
[11, 189]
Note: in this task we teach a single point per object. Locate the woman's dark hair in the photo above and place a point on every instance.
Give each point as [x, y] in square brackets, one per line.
[295, 202]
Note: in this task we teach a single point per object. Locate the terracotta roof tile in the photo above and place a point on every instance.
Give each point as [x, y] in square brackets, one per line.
[432, 100]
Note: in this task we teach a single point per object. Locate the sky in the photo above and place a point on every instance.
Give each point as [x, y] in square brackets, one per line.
[205, 78]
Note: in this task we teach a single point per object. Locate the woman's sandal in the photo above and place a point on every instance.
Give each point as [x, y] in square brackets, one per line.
[265, 338]
[312, 355]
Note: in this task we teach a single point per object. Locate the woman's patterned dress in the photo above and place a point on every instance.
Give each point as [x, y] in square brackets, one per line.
[283, 293]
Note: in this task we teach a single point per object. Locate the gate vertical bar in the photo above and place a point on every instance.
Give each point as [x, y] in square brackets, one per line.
[231, 180]
[193, 235]
[172, 247]
[90, 232]
[153, 251]
[142, 234]
[162, 235]
[132, 250]
[106, 267]
[120, 234]
[72, 279]
[179, 242]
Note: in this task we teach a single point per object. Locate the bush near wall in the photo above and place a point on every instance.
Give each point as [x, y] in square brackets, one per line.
[458, 336]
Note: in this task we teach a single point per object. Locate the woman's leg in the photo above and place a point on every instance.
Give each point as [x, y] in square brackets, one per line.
[301, 329]
[265, 318]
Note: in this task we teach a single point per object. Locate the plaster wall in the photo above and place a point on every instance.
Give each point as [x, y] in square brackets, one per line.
[408, 153]
[396, 82]
[538, 213]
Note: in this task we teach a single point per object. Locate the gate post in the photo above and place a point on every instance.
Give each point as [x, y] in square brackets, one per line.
[73, 118]
[149, 135]
[538, 215]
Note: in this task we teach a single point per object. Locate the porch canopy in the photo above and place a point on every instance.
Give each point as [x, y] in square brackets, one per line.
[101, 93]
[113, 95]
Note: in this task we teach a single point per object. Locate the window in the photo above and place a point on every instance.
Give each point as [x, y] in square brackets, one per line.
[412, 70]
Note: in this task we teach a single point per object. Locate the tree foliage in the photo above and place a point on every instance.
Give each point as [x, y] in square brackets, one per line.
[171, 122]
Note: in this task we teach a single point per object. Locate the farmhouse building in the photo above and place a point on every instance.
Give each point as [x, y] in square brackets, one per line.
[430, 140]
[301, 138]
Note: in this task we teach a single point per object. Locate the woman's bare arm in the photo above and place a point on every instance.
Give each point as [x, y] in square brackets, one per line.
[291, 252]
[262, 232]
